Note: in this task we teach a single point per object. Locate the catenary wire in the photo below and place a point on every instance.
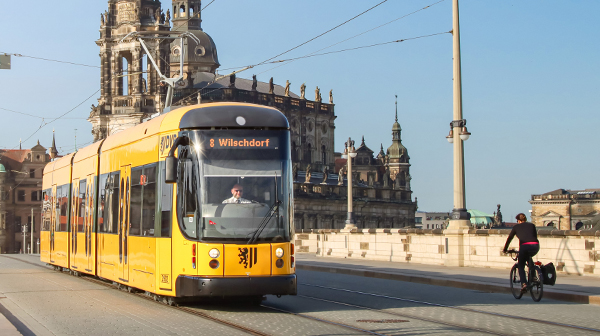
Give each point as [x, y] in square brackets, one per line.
[50, 60]
[330, 30]
[367, 31]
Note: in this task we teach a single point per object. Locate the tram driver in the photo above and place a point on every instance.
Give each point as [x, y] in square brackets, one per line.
[237, 191]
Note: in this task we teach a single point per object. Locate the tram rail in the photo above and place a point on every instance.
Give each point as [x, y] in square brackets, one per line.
[471, 310]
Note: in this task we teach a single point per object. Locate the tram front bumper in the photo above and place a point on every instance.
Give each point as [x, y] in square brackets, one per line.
[189, 286]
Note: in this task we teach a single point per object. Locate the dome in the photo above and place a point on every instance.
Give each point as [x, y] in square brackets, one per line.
[201, 57]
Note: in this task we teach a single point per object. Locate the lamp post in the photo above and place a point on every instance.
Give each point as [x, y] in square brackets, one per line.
[458, 132]
[349, 154]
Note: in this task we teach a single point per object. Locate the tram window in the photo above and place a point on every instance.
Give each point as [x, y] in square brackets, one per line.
[81, 201]
[46, 209]
[149, 201]
[135, 215]
[115, 206]
[103, 187]
[188, 196]
[111, 210]
[166, 206]
[63, 205]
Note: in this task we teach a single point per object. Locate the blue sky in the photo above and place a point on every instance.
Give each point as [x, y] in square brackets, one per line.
[531, 82]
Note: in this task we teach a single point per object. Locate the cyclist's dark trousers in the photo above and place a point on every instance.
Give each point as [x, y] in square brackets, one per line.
[525, 253]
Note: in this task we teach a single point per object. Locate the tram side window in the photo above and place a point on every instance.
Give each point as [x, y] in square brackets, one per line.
[90, 201]
[102, 202]
[114, 203]
[46, 209]
[111, 204]
[187, 196]
[64, 207]
[135, 215]
[149, 200]
[166, 205]
[81, 202]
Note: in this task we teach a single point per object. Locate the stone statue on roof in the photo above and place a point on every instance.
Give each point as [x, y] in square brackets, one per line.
[318, 94]
[232, 81]
[157, 13]
[341, 176]
[102, 22]
[330, 96]
[254, 83]
[325, 174]
[498, 217]
[302, 90]
[168, 19]
[308, 174]
[287, 88]
[271, 86]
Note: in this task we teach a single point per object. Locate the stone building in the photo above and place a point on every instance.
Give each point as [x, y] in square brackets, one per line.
[21, 174]
[131, 92]
[563, 209]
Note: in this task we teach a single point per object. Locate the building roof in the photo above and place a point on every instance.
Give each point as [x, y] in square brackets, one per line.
[573, 192]
[480, 217]
[203, 79]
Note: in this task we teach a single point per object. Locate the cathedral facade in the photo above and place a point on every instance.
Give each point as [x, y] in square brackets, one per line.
[132, 91]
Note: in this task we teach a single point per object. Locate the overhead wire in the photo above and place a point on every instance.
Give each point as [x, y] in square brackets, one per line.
[328, 31]
[287, 51]
[367, 31]
[51, 60]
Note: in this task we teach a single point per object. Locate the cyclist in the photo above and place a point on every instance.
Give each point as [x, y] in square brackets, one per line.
[529, 245]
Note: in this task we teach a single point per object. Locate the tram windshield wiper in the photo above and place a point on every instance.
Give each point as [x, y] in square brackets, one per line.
[263, 224]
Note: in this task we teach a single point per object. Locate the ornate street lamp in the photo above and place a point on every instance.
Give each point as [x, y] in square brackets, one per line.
[349, 154]
[458, 132]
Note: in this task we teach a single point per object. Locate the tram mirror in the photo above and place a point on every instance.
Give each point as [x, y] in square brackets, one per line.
[170, 169]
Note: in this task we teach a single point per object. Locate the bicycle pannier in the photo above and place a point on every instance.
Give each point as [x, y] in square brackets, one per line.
[549, 272]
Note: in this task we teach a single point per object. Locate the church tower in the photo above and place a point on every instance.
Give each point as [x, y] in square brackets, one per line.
[129, 86]
[200, 60]
[397, 159]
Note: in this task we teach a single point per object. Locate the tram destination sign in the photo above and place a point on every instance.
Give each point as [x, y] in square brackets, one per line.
[230, 142]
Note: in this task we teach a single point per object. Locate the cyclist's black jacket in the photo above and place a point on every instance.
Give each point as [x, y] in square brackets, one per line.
[526, 232]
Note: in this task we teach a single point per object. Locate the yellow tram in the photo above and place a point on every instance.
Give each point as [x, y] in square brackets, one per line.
[196, 202]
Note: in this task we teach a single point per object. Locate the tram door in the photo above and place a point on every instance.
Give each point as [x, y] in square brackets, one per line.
[53, 220]
[75, 216]
[125, 185]
[89, 222]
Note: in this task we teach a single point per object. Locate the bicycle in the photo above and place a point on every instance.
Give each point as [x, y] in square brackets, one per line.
[535, 281]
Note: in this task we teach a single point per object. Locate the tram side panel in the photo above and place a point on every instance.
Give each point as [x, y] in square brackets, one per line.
[83, 213]
[60, 179]
[47, 202]
[126, 242]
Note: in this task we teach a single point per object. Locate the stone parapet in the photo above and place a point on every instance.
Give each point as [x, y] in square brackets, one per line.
[571, 251]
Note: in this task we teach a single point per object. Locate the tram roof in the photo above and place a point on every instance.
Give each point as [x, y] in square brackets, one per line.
[225, 115]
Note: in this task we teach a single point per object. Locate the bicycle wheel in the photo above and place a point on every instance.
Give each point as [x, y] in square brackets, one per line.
[537, 284]
[515, 282]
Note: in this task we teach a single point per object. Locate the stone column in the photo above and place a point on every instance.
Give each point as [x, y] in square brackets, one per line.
[136, 79]
[115, 69]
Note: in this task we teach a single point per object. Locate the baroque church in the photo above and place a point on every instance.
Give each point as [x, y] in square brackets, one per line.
[132, 92]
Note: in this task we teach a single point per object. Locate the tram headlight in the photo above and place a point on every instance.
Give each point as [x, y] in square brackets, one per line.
[279, 252]
[214, 253]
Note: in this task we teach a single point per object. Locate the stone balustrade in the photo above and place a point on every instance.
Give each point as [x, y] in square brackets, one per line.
[572, 252]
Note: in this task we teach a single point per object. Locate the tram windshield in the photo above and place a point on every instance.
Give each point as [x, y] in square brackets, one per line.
[243, 184]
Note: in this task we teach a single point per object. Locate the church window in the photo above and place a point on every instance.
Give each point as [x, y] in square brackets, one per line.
[191, 11]
[21, 195]
[174, 11]
[182, 11]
